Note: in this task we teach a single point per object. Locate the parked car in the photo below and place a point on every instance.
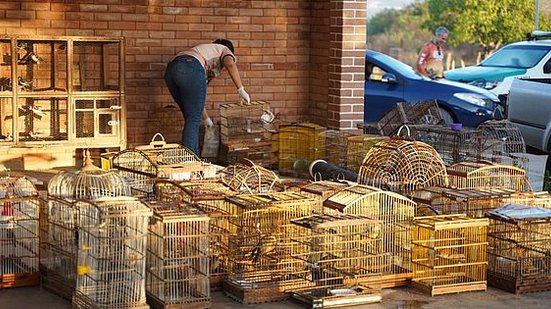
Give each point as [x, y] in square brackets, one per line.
[529, 107]
[389, 81]
[526, 59]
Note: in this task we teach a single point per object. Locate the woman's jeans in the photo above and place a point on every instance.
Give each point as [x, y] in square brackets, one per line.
[186, 80]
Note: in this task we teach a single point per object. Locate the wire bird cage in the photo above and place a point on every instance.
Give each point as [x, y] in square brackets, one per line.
[395, 212]
[503, 132]
[112, 239]
[19, 232]
[177, 260]
[472, 202]
[487, 175]
[336, 145]
[357, 147]
[247, 177]
[449, 254]
[140, 166]
[402, 166]
[301, 142]
[60, 229]
[519, 259]
[424, 112]
[262, 268]
[245, 123]
[210, 198]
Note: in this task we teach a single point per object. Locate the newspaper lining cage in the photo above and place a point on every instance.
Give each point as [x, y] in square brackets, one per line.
[300, 142]
[19, 232]
[177, 260]
[335, 247]
[518, 250]
[140, 166]
[449, 254]
[111, 253]
[395, 212]
[402, 166]
[487, 175]
[247, 177]
[60, 229]
[262, 268]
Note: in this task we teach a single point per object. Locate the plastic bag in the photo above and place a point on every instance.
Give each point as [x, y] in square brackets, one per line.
[210, 142]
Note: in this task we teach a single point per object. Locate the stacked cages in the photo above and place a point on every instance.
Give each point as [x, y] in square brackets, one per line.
[449, 254]
[335, 247]
[112, 240]
[322, 190]
[177, 257]
[140, 166]
[210, 198]
[300, 143]
[60, 228]
[262, 268]
[395, 212]
[519, 246]
[336, 145]
[424, 112]
[247, 177]
[402, 166]
[487, 175]
[19, 232]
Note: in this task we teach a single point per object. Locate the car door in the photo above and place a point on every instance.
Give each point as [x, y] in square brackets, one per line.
[381, 93]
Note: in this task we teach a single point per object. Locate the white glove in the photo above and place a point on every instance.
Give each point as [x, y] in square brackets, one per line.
[209, 122]
[244, 96]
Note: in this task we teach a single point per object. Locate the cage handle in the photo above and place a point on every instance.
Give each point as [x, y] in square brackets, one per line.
[400, 130]
[156, 143]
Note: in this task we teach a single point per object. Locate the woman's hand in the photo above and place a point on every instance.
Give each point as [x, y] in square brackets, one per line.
[244, 96]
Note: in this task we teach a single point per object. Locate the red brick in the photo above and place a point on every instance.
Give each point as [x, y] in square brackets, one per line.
[122, 25]
[107, 16]
[93, 8]
[19, 14]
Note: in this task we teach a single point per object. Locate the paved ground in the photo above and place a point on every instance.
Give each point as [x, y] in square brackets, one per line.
[401, 298]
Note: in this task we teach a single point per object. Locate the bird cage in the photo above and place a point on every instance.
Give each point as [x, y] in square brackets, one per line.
[504, 133]
[473, 202]
[539, 198]
[59, 243]
[424, 112]
[333, 249]
[177, 260]
[19, 232]
[518, 249]
[396, 214]
[402, 166]
[336, 145]
[259, 250]
[322, 189]
[449, 254]
[112, 239]
[301, 142]
[247, 177]
[164, 120]
[357, 148]
[245, 123]
[140, 166]
[486, 175]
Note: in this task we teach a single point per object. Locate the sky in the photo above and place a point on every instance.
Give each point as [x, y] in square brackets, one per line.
[374, 6]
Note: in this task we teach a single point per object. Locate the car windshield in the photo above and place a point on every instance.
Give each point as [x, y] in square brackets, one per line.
[517, 57]
[397, 66]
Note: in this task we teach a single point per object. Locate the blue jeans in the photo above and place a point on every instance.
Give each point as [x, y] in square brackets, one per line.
[186, 80]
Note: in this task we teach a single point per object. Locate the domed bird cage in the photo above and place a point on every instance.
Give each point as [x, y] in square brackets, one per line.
[487, 175]
[501, 136]
[177, 261]
[60, 231]
[396, 214]
[247, 177]
[140, 166]
[112, 240]
[19, 232]
[402, 166]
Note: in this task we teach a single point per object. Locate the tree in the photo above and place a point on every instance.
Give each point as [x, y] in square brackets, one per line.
[489, 23]
[382, 21]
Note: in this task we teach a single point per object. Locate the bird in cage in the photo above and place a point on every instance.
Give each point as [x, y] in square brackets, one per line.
[265, 245]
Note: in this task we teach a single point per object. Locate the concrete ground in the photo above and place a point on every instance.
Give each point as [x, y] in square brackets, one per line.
[399, 298]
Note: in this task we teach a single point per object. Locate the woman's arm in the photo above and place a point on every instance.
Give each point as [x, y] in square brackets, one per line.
[231, 66]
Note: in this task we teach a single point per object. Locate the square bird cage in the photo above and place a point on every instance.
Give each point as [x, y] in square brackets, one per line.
[449, 254]
[244, 123]
[302, 142]
[260, 259]
[487, 175]
[336, 145]
[112, 240]
[19, 232]
[519, 259]
[177, 257]
[395, 212]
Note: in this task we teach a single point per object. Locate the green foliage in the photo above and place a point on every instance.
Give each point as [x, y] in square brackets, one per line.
[382, 21]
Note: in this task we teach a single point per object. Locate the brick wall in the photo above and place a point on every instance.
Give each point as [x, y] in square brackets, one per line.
[304, 57]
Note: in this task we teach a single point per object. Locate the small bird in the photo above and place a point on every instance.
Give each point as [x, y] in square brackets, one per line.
[265, 245]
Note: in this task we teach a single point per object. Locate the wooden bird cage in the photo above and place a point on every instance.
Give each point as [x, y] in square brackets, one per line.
[539, 198]
[487, 175]
[402, 166]
[260, 248]
[140, 166]
[177, 260]
[449, 254]
[301, 142]
[19, 232]
[395, 212]
[247, 177]
[473, 202]
[244, 123]
[357, 148]
[112, 240]
[322, 190]
[518, 249]
[424, 112]
[336, 145]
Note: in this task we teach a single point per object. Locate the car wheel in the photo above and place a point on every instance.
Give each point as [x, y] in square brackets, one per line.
[447, 117]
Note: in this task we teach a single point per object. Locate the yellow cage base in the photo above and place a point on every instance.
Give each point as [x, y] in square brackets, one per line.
[450, 288]
[385, 281]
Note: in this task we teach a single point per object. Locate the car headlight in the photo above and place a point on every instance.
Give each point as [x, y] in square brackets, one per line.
[485, 84]
[473, 98]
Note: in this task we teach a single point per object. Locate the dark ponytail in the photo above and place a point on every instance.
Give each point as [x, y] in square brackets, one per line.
[226, 43]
